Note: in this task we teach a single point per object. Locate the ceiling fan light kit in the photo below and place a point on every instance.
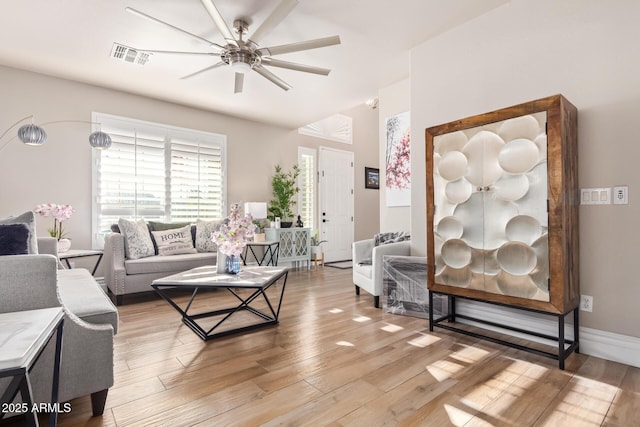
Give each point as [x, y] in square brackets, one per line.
[244, 56]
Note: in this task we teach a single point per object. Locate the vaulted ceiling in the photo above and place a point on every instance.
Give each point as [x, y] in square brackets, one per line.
[73, 39]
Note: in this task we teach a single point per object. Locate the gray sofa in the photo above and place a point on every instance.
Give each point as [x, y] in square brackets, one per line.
[29, 282]
[125, 276]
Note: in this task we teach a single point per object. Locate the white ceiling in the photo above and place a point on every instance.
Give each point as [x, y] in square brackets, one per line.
[73, 39]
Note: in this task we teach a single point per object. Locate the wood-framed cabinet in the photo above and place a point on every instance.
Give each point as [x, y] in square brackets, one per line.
[502, 206]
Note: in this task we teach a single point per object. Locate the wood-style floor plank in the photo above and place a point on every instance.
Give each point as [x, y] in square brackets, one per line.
[335, 360]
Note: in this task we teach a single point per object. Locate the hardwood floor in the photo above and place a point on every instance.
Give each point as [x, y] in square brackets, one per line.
[335, 360]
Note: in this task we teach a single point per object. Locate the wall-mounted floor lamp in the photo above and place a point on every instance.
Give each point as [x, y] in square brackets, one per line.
[32, 134]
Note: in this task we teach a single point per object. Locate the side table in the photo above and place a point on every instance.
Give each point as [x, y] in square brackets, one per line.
[23, 336]
[271, 248]
[80, 253]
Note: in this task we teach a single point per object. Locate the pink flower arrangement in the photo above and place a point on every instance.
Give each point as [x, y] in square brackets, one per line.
[233, 235]
[59, 213]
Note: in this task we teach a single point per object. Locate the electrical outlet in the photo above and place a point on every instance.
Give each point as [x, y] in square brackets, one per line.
[586, 303]
[621, 195]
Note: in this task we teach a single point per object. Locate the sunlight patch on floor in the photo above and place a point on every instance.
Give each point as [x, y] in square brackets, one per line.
[392, 328]
[458, 417]
[361, 319]
[335, 311]
[424, 340]
[344, 344]
[443, 369]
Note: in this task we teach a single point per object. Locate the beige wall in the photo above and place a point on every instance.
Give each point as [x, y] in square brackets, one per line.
[525, 50]
[60, 170]
[394, 99]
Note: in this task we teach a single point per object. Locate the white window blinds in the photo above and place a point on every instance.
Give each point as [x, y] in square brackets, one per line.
[157, 172]
[307, 186]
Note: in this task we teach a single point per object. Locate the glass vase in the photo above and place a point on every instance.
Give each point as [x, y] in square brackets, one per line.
[232, 264]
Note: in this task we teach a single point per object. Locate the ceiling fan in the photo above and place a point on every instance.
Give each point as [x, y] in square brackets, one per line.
[243, 55]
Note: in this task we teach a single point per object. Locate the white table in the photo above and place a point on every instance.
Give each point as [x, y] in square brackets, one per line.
[23, 336]
[256, 279]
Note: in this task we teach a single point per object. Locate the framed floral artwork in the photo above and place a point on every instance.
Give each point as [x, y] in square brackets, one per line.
[398, 160]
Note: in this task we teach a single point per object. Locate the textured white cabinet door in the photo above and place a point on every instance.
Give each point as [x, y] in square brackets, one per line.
[295, 243]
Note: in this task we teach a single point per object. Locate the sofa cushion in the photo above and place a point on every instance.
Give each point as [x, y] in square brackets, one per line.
[82, 296]
[137, 239]
[365, 270]
[14, 239]
[29, 219]
[204, 241]
[169, 264]
[174, 241]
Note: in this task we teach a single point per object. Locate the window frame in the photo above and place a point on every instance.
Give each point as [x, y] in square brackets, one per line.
[102, 121]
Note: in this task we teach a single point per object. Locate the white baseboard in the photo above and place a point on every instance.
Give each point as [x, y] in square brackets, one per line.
[593, 342]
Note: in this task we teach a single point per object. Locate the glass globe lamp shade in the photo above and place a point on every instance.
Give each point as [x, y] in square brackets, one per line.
[100, 140]
[32, 134]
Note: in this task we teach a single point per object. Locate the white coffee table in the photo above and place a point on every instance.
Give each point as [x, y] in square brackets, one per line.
[255, 279]
[23, 336]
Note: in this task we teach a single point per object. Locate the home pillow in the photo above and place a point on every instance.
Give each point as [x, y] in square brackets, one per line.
[137, 240]
[14, 239]
[161, 226]
[204, 241]
[174, 241]
[29, 219]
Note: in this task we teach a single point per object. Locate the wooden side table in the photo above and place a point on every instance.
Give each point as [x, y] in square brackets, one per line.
[316, 260]
[23, 337]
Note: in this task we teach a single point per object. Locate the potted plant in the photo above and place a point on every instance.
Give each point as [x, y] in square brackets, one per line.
[285, 189]
[316, 250]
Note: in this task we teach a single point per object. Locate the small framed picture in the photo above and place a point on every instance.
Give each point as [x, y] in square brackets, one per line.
[372, 178]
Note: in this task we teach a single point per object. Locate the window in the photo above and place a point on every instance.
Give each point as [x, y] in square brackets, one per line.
[156, 172]
[307, 186]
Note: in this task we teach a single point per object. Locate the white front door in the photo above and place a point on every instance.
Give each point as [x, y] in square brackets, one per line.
[336, 203]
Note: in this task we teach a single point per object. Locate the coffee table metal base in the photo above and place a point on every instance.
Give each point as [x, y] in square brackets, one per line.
[268, 317]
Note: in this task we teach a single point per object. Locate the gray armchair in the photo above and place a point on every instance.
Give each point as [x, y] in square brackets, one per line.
[30, 282]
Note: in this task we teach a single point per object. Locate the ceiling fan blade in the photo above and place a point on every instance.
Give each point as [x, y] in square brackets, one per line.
[173, 27]
[238, 83]
[298, 46]
[219, 21]
[272, 21]
[176, 52]
[219, 64]
[271, 77]
[293, 66]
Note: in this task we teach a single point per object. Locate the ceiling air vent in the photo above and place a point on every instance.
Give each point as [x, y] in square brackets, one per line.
[128, 54]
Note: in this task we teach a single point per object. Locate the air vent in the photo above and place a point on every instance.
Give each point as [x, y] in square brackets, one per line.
[128, 54]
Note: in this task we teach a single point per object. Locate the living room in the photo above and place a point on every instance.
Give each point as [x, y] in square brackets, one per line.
[520, 51]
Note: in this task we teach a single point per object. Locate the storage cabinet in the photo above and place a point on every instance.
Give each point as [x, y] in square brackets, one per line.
[502, 207]
[295, 243]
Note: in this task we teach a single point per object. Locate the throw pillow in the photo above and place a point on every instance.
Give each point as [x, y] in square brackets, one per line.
[391, 237]
[29, 219]
[161, 226]
[14, 239]
[204, 242]
[137, 240]
[174, 241]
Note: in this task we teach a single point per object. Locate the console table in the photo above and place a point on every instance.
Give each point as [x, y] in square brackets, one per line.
[295, 243]
[23, 336]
